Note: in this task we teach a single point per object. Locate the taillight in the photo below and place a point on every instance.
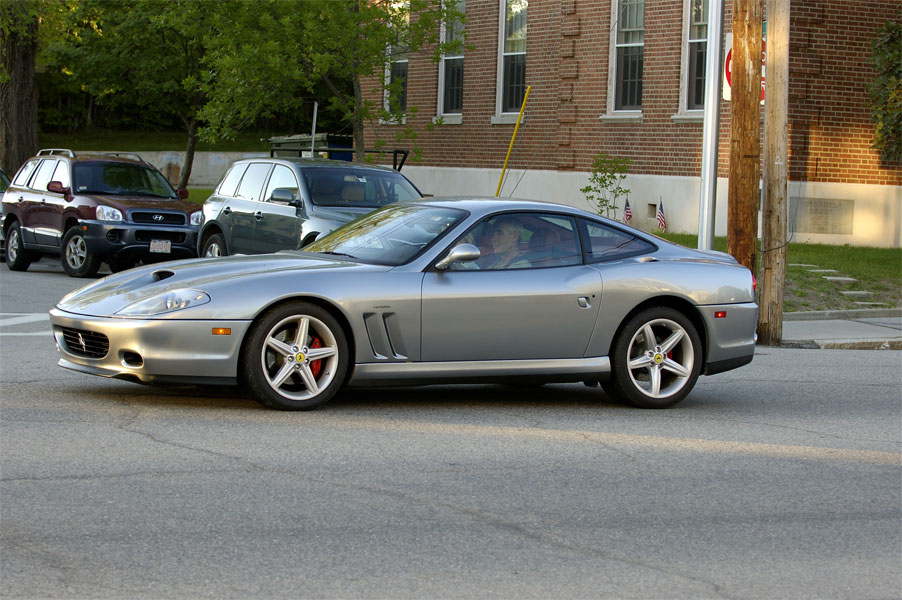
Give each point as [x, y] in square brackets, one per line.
[754, 284]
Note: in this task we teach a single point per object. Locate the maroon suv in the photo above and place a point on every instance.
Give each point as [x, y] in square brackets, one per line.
[112, 208]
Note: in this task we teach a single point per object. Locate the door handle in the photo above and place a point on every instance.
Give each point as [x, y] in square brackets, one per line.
[258, 215]
[583, 302]
[227, 210]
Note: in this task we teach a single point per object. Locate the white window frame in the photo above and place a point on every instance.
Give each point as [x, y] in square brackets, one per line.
[385, 92]
[684, 113]
[503, 118]
[446, 118]
[618, 114]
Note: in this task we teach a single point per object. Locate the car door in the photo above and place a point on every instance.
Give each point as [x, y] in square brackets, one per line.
[277, 225]
[517, 310]
[242, 209]
[39, 205]
[20, 199]
[54, 205]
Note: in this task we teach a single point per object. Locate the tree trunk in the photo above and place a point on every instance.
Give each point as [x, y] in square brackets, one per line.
[357, 122]
[18, 95]
[745, 134]
[189, 153]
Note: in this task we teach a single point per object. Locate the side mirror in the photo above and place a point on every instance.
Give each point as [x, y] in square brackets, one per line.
[182, 193]
[284, 196]
[56, 187]
[459, 253]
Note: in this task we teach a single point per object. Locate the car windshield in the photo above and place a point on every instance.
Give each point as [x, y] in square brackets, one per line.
[120, 179]
[391, 236]
[370, 188]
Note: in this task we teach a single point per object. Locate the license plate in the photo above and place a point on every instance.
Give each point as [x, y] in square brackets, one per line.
[161, 246]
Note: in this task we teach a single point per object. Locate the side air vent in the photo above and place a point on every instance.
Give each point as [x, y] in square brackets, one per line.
[384, 334]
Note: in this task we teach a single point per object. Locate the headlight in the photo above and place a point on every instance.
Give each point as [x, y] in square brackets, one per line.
[197, 217]
[105, 213]
[165, 303]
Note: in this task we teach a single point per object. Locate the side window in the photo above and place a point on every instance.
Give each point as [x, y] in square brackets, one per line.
[523, 241]
[25, 172]
[61, 173]
[252, 183]
[42, 178]
[607, 243]
[282, 177]
[230, 182]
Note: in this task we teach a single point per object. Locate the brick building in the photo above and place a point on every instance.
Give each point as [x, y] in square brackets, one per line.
[633, 87]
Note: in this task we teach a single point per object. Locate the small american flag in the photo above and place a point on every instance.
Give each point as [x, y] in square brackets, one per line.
[662, 222]
[627, 213]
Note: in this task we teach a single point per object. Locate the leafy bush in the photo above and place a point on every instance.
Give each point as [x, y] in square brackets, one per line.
[608, 173]
[886, 92]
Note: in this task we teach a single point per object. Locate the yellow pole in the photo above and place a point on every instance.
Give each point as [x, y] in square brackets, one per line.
[513, 137]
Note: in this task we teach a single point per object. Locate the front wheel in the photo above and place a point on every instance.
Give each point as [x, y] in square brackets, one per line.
[17, 257]
[656, 359]
[295, 357]
[215, 246]
[77, 260]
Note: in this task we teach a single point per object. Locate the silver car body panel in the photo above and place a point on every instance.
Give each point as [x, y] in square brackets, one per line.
[412, 323]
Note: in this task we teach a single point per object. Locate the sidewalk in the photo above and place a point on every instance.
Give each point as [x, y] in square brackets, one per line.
[865, 329]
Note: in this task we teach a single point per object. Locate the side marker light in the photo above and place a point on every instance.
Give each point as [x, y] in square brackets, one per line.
[721, 314]
[222, 331]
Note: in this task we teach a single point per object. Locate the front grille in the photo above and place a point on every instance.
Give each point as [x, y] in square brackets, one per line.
[159, 218]
[86, 343]
[173, 236]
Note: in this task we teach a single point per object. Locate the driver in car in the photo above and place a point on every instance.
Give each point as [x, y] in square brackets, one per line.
[506, 252]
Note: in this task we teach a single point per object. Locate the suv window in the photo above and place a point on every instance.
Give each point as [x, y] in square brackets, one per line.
[45, 172]
[252, 182]
[25, 172]
[120, 179]
[606, 243]
[229, 184]
[62, 173]
[357, 187]
[282, 177]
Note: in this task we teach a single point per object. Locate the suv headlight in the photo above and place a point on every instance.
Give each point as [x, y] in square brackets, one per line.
[105, 213]
[166, 302]
[197, 218]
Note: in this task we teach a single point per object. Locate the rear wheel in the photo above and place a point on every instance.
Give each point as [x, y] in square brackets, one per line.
[17, 257]
[295, 357]
[77, 260]
[656, 359]
[215, 246]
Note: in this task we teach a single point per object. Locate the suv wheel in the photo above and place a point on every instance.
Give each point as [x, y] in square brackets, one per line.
[17, 257]
[76, 259]
[215, 246]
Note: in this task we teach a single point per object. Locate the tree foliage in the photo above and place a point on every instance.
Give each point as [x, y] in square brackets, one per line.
[605, 189]
[886, 92]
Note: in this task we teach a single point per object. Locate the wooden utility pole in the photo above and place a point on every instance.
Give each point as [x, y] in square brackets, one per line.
[776, 175]
[745, 143]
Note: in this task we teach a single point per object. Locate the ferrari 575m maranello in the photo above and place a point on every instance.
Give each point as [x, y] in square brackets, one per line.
[421, 292]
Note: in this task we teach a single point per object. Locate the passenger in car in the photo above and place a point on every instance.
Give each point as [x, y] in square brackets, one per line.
[506, 253]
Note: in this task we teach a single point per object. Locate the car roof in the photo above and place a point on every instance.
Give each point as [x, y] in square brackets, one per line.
[316, 162]
[484, 204]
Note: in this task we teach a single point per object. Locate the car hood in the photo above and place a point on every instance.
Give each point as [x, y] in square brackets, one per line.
[125, 203]
[224, 278]
[341, 214]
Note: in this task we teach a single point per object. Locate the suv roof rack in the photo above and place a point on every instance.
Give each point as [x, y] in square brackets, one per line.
[52, 151]
[132, 155]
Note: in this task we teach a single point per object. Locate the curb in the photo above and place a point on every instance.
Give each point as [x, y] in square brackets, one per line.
[843, 344]
[844, 315]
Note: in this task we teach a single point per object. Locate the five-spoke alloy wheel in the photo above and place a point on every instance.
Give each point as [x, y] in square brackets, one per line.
[17, 257]
[78, 261]
[656, 359]
[295, 357]
[215, 246]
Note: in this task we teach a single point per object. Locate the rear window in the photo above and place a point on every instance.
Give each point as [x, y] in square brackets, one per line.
[608, 243]
[230, 182]
[25, 172]
[357, 187]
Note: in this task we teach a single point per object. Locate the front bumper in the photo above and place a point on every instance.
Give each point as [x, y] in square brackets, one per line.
[148, 350]
[129, 240]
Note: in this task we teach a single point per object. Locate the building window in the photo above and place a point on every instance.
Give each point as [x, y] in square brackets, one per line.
[396, 94]
[696, 55]
[451, 68]
[513, 56]
[629, 47]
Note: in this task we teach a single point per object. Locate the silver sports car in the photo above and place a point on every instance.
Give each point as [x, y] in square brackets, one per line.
[428, 291]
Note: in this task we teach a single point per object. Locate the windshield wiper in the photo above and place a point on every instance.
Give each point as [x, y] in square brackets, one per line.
[337, 254]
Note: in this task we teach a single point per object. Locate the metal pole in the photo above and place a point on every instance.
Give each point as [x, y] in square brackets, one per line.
[313, 132]
[708, 200]
[513, 137]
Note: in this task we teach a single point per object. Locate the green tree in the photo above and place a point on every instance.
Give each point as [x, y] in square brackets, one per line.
[143, 53]
[282, 51]
[604, 189]
[886, 91]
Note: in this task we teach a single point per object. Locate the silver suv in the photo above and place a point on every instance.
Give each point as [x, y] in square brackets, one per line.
[270, 204]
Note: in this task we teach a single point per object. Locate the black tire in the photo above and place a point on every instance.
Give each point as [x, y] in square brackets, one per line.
[277, 368]
[76, 259]
[117, 265]
[657, 373]
[17, 257]
[214, 246]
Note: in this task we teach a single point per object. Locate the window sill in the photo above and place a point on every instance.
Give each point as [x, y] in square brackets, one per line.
[622, 117]
[696, 116]
[453, 119]
[507, 119]
[403, 121]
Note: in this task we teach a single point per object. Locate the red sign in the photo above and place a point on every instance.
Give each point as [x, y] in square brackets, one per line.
[728, 64]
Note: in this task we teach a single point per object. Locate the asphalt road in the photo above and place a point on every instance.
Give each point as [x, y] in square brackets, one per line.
[782, 479]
